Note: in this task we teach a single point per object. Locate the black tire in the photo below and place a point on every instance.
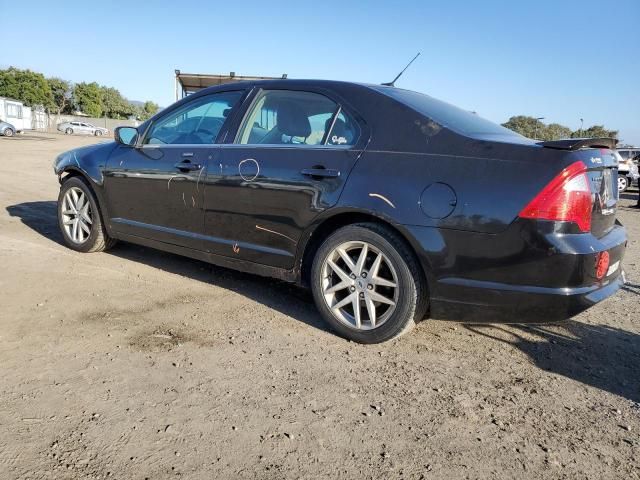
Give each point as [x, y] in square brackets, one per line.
[623, 183]
[9, 132]
[98, 240]
[413, 295]
[98, 133]
[69, 131]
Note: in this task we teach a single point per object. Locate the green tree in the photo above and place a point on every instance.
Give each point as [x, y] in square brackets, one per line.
[595, 131]
[555, 131]
[88, 98]
[528, 126]
[533, 128]
[148, 110]
[114, 105]
[29, 87]
[62, 94]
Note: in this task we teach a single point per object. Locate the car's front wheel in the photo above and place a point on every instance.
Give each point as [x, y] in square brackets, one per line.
[98, 133]
[79, 218]
[367, 283]
[9, 132]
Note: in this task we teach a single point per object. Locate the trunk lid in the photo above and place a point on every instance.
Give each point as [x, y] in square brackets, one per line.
[603, 174]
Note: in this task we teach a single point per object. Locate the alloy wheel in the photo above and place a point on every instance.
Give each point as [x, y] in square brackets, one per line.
[76, 215]
[360, 285]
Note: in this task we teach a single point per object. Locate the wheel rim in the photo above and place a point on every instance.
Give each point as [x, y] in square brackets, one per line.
[9, 133]
[77, 216]
[622, 183]
[359, 285]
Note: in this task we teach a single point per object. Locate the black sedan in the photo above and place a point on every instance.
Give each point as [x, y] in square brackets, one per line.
[389, 204]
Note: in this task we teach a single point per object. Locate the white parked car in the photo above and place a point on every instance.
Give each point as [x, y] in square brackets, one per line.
[82, 128]
[627, 172]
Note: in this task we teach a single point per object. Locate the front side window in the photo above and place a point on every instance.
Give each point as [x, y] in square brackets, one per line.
[285, 117]
[196, 123]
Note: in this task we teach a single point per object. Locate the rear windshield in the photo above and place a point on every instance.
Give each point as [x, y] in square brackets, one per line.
[447, 115]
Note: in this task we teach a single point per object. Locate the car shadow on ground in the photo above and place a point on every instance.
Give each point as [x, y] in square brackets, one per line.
[631, 288]
[598, 355]
[278, 295]
[26, 136]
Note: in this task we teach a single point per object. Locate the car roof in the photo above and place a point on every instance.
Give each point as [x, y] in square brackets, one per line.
[297, 83]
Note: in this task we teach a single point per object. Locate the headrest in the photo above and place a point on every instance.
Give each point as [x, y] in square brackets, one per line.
[292, 120]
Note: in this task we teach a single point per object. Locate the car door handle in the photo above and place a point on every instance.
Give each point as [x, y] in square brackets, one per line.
[321, 172]
[187, 166]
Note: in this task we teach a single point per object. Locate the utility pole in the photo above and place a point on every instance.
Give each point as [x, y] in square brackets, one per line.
[535, 135]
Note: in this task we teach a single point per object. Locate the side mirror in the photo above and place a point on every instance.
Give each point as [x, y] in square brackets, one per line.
[126, 135]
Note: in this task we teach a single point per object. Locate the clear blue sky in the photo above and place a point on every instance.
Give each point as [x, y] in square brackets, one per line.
[561, 60]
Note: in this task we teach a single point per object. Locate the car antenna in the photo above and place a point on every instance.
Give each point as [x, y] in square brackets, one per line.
[393, 82]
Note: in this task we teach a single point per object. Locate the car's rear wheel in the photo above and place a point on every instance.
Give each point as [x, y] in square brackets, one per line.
[367, 283]
[9, 132]
[79, 218]
[68, 131]
[623, 183]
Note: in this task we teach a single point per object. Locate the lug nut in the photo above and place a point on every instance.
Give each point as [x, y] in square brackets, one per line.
[352, 288]
[370, 287]
[361, 295]
[364, 274]
[353, 276]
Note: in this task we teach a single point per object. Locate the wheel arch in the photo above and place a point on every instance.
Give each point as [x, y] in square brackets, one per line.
[315, 235]
[72, 171]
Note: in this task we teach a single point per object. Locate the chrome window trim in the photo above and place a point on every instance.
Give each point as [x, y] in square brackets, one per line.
[322, 146]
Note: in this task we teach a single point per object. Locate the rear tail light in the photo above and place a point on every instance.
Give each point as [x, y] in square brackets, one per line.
[567, 198]
[602, 264]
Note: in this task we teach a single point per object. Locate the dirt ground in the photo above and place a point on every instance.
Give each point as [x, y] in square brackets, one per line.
[137, 364]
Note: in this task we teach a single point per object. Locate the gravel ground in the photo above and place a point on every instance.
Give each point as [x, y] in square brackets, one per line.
[139, 364]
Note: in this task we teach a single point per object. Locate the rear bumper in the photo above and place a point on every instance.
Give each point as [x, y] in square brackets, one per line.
[528, 273]
[487, 302]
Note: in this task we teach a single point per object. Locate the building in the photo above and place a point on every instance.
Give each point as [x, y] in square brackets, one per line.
[15, 112]
[187, 83]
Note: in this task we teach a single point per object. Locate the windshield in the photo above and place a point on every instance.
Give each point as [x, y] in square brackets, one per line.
[447, 115]
[617, 156]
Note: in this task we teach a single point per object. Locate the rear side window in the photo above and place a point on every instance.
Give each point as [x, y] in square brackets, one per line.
[285, 117]
[445, 114]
